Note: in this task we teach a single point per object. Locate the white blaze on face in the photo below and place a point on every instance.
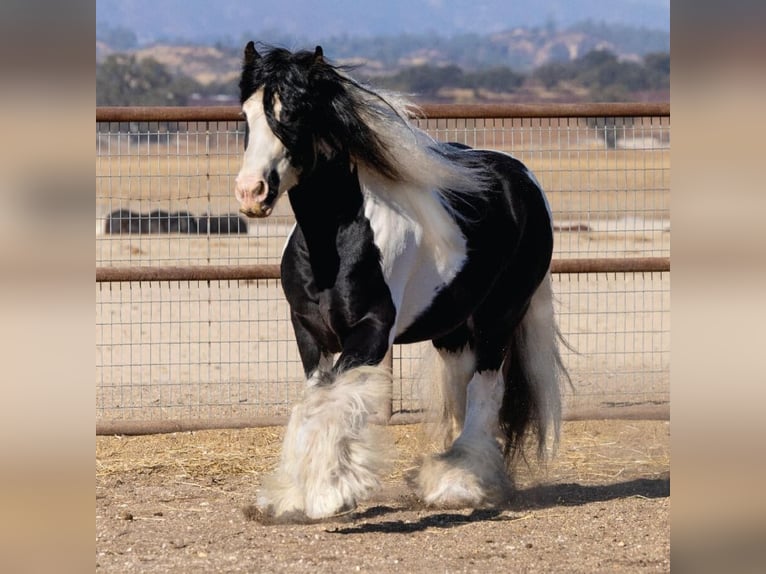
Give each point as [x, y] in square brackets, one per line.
[264, 158]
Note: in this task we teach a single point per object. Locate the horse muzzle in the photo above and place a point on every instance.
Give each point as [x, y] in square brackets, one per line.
[256, 211]
[256, 198]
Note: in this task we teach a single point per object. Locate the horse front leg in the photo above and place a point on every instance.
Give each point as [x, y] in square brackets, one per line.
[365, 345]
[283, 493]
[345, 455]
[316, 358]
[331, 457]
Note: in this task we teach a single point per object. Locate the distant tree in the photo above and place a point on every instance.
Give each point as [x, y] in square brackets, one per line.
[495, 79]
[657, 65]
[551, 74]
[423, 80]
[629, 75]
[428, 80]
[595, 59]
[658, 62]
[607, 78]
[123, 80]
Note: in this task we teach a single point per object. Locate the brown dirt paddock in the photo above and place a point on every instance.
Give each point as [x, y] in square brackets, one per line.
[174, 503]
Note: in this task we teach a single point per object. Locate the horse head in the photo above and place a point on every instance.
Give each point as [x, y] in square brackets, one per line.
[284, 100]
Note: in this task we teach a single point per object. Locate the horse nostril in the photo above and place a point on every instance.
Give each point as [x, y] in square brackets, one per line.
[259, 189]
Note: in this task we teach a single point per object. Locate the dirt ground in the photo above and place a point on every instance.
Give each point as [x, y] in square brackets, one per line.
[182, 503]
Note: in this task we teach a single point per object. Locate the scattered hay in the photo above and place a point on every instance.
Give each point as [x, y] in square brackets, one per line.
[192, 454]
[591, 452]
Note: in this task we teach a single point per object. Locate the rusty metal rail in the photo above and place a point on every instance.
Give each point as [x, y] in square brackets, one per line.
[271, 271]
[431, 111]
[187, 273]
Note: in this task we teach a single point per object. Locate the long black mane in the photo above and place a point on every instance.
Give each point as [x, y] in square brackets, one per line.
[323, 110]
[319, 103]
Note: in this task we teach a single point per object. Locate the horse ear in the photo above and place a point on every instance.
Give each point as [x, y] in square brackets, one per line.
[318, 55]
[251, 55]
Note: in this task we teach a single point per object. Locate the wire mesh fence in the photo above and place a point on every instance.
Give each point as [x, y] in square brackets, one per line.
[223, 349]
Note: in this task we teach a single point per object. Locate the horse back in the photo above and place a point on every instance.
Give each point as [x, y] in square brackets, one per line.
[509, 242]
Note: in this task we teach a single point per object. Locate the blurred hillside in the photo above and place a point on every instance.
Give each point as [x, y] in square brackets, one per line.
[584, 62]
[521, 49]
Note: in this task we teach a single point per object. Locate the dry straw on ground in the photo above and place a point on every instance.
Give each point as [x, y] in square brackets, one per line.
[590, 452]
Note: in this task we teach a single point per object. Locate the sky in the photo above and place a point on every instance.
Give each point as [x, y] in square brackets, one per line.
[197, 20]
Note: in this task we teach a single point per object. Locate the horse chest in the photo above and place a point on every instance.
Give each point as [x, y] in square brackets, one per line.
[333, 286]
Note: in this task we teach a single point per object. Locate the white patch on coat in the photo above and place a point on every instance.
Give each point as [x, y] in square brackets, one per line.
[415, 269]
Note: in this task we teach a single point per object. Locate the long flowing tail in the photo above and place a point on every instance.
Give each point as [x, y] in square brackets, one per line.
[533, 371]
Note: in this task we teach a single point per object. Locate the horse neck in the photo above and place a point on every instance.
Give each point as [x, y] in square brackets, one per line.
[325, 201]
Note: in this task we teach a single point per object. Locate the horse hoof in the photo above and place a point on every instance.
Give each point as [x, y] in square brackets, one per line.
[466, 476]
[271, 515]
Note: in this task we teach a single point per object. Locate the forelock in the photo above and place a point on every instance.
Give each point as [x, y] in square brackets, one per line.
[300, 81]
[283, 71]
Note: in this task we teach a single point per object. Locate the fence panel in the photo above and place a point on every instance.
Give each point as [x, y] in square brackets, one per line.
[184, 344]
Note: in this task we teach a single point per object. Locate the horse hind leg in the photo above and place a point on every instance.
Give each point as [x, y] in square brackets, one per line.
[471, 472]
[443, 392]
[515, 392]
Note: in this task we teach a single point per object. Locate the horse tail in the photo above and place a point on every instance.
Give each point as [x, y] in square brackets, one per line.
[531, 407]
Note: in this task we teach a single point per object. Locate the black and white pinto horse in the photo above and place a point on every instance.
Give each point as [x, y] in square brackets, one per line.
[398, 239]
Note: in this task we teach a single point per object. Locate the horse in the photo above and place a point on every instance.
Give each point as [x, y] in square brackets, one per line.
[126, 222]
[160, 221]
[123, 221]
[222, 224]
[398, 239]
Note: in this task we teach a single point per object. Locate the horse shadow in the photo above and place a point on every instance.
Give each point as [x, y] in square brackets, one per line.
[533, 498]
